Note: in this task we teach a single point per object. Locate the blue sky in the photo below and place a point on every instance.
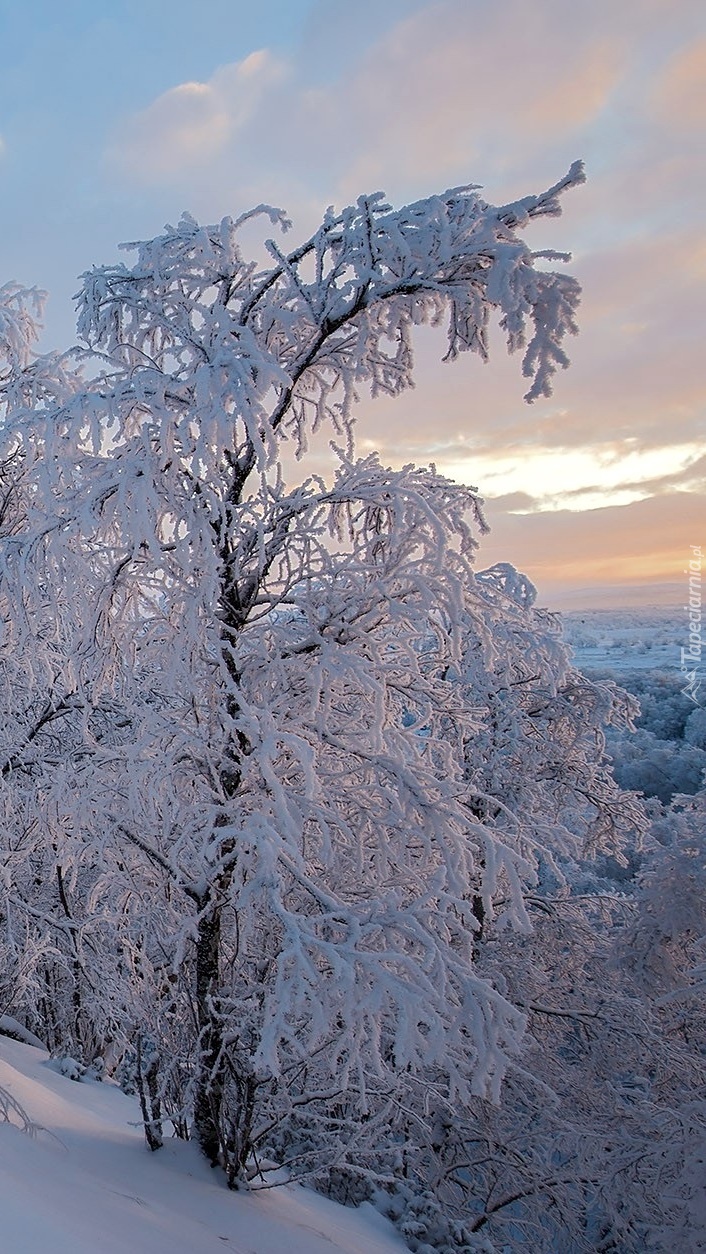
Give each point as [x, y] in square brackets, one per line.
[114, 118]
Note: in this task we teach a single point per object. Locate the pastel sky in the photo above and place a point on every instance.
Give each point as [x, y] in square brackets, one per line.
[116, 117]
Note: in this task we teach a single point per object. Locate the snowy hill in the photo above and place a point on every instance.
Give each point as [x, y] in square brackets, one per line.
[83, 1182]
[646, 638]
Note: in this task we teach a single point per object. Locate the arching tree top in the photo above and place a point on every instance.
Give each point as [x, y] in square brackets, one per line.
[335, 313]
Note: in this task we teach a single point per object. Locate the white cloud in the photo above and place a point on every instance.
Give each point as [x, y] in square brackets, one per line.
[190, 125]
[452, 88]
[578, 479]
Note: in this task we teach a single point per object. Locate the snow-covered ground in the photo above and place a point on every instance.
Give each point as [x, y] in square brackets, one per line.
[647, 638]
[84, 1183]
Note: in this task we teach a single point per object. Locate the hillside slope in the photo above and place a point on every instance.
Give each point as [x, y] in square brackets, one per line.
[85, 1183]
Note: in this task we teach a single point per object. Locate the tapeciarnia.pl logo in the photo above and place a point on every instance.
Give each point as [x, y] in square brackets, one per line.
[691, 655]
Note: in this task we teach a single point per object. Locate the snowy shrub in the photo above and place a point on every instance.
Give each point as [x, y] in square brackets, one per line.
[695, 728]
[657, 768]
[420, 1220]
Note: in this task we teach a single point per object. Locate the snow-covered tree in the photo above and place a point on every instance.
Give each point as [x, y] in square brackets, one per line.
[239, 747]
[296, 805]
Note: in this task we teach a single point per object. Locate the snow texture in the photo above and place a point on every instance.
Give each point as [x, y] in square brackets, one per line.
[82, 1181]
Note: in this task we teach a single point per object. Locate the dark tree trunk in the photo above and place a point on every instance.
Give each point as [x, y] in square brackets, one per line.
[209, 1088]
[148, 1093]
